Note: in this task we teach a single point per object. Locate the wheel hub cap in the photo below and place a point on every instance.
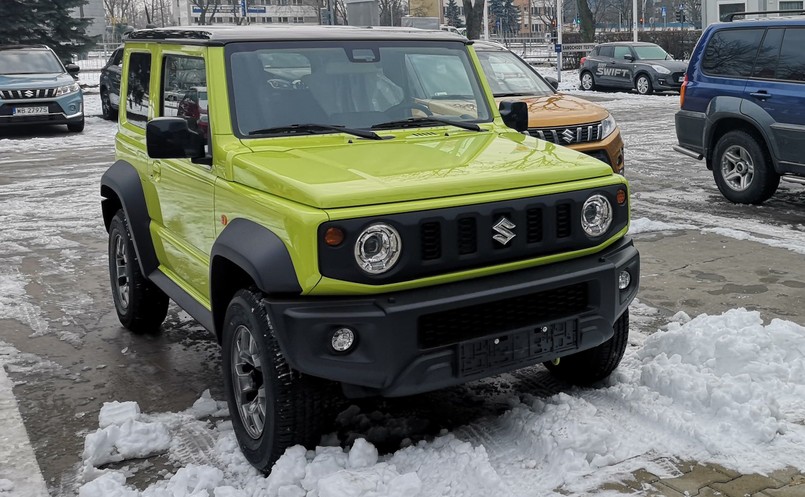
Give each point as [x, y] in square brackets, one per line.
[247, 382]
[122, 277]
[737, 168]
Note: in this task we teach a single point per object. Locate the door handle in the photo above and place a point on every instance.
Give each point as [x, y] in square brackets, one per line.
[761, 94]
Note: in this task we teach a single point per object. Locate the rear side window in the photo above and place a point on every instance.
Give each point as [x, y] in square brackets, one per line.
[767, 57]
[792, 56]
[732, 52]
[138, 88]
[607, 52]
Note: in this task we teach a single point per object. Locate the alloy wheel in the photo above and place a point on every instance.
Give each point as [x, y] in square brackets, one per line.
[587, 81]
[737, 168]
[642, 85]
[247, 382]
[122, 275]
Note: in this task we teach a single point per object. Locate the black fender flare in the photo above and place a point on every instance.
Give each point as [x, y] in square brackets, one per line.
[754, 116]
[121, 188]
[255, 251]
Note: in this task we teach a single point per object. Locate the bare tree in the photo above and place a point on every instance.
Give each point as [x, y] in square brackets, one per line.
[474, 15]
[208, 9]
[391, 12]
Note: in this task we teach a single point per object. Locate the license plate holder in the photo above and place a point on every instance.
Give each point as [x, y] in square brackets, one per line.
[30, 111]
[531, 345]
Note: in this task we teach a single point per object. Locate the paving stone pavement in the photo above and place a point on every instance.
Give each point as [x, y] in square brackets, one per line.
[707, 480]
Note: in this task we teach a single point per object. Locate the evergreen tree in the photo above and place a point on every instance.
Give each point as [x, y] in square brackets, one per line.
[54, 23]
[506, 15]
[453, 15]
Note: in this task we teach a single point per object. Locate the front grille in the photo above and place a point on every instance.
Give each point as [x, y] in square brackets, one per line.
[501, 316]
[439, 241]
[27, 93]
[568, 135]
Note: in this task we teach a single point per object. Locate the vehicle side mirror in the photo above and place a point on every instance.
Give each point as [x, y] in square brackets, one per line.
[171, 138]
[628, 56]
[514, 114]
[72, 68]
[553, 82]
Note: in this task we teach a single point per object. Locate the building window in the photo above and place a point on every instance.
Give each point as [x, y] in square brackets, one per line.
[790, 5]
[729, 8]
[282, 19]
[299, 20]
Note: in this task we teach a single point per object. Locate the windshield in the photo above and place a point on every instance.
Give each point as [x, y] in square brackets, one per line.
[508, 75]
[650, 53]
[351, 84]
[28, 62]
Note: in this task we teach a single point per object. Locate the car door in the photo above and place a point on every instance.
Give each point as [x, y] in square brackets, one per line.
[184, 188]
[777, 86]
[622, 67]
[603, 63]
[114, 71]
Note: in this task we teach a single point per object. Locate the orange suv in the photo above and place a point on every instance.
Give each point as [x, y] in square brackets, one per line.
[568, 121]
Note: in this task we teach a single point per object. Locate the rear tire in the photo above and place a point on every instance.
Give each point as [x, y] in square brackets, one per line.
[595, 364]
[587, 81]
[743, 169]
[272, 406]
[141, 306]
[107, 111]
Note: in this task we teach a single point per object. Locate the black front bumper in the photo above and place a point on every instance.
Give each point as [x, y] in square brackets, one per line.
[433, 337]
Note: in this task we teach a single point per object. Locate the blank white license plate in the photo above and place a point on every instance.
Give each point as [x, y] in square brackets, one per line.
[18, 111]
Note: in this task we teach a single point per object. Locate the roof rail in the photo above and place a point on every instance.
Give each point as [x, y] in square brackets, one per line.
[730, 17]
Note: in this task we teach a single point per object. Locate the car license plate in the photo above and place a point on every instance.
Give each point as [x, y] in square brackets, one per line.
[29, 111]
[535, 345]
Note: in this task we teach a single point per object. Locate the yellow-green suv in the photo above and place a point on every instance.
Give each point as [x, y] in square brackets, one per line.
[348, 211]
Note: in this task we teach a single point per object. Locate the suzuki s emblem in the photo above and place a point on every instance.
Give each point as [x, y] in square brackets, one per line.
[568, 135]
[503, 228]
[29, 93]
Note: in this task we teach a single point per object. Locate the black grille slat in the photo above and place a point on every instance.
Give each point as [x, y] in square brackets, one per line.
[26, 93]
[467, 236]
[534, 225]
[467, 323]
[578, 134]
[431, 240]
[563, 221]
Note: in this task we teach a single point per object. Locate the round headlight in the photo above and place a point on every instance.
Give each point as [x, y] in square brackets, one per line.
[378, 248]
[596, 215]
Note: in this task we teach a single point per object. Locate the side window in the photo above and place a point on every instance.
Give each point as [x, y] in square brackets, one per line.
[732, 52]
[620, 52]
[607, 52]
[117, 58]
[767, 56]
[184, 91]
[137, 88]
[792, 57]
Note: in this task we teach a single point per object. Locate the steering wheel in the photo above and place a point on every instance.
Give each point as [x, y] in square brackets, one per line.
[410, 105]
[279, 84]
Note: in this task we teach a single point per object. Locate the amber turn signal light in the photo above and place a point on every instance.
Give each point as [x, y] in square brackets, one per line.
[334, 236]
[621, 197]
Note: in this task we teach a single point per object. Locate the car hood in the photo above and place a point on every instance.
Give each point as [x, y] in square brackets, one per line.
[559, 110]
[671, 65]
[34, 81]
[424, 164]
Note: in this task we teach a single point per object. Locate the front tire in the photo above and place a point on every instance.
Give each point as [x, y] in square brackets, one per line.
[587, 81]
[76, 127]
[595, 364]
[141, 306]
[743, 169]
[643, 85]
[272, 406]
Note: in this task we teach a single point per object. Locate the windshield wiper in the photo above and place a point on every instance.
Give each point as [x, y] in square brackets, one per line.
[413, 122]
[516, 94]
[301, 128]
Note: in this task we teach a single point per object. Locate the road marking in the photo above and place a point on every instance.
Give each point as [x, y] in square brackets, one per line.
[17, 461]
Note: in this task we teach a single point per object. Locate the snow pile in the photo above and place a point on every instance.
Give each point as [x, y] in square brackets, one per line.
[725, 389]
[643, 225]
[121, 436]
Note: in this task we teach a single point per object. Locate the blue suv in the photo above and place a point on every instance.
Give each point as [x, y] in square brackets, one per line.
[743, 105]
[36, 88]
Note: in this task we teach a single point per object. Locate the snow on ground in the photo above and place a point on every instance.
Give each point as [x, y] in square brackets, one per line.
[726, 389]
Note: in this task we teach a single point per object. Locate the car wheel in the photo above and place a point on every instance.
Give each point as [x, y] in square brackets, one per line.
[595, 364]
[76, 127]
[141, 306]
[272, 406]
[743, 169]
[587, 81]
[643, 85]
[106, 107]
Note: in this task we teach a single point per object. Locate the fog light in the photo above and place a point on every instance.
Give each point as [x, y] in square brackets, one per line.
[624, 279]
[343, 339]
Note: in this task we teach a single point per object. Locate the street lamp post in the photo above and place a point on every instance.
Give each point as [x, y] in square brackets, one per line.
[634, 19]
